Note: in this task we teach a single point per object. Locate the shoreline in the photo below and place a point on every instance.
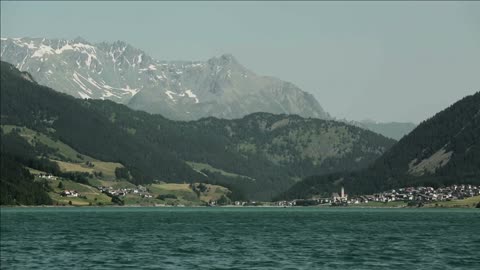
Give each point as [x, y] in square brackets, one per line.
[236, 206]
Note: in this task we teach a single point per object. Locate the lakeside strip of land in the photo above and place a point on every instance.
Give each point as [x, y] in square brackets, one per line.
[471, 202]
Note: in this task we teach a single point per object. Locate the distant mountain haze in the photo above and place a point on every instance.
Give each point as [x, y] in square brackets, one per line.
[394, 130]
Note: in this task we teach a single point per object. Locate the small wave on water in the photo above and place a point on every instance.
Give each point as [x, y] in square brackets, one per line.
[239, 238]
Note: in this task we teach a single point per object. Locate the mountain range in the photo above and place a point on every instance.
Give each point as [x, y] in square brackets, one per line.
[188, 90]
[179, 90]
[257, 156]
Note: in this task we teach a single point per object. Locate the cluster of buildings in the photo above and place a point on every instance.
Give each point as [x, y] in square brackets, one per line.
[47, 176]
[122, 192]
[69, 193]
[408, 194]
[424, 194]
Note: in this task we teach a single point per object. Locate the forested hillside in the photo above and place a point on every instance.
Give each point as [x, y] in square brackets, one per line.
[442, 150]
[16, 183]
[256, 157]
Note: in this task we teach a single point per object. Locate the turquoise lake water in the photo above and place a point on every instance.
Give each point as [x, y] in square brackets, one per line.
[239, 238]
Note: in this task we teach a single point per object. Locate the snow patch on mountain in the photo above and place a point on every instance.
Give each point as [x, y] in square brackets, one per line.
[190, 94]
[107, 94]
[42, 51]
[131, 91]
[94, 83]
[170, 95]
[27, 77]
[83, 95]
[76, 79]
[66, 47]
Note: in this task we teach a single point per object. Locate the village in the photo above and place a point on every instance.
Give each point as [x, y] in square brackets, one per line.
[414, 195]
[121, 192]
[140, 190]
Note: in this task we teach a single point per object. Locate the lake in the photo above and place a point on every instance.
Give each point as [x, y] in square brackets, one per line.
[239, 238]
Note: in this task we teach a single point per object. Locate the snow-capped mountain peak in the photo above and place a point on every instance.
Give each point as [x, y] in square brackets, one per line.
[183, 90]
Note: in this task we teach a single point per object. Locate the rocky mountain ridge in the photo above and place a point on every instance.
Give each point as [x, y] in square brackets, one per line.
[179, 90]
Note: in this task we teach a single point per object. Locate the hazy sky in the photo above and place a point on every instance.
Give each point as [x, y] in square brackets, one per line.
[390, 61]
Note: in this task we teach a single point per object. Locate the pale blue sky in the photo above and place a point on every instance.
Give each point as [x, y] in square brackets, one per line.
[388, 61]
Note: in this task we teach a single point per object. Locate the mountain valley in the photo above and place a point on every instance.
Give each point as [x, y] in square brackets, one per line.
[256, 157]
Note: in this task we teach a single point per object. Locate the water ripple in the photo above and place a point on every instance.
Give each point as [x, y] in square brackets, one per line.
[239, 238]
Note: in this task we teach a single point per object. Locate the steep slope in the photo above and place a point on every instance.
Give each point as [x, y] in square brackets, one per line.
[259, 155]
[443, 150]
[219, 87]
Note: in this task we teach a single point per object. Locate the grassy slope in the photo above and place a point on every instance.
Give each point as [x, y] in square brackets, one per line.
[116, 184]
[185, 195]
[75, 162]
[93, 196]
[107, 168]
[63, 149]
[213, 193]
[34, 172]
